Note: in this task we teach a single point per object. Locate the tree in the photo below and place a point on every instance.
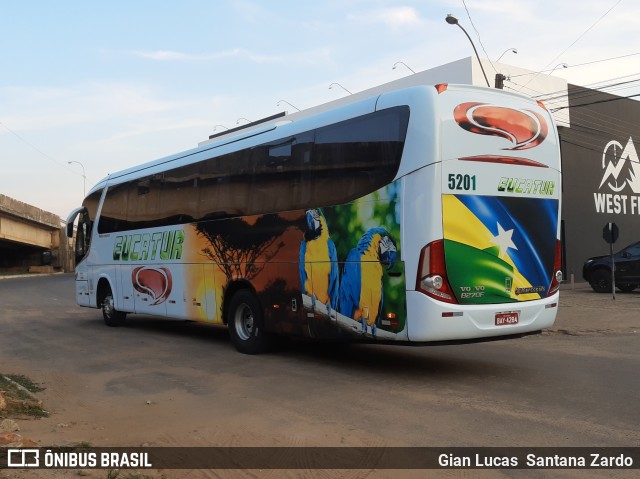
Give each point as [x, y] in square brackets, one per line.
[241, 249]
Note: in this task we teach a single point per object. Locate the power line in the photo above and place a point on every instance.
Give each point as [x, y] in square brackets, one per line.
[585, 32]
[596, 102]
[478, 35]
[564, 140]
[578, 64]
[596, 122]
[578, 39]
[37, 149]
[591, 89]
[599, 125]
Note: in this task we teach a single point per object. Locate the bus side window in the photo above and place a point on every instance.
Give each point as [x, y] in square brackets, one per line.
[224, 186]
[302, 157]
[113, 217]
[145, 202]
[281, 175]
[356, 157]
[180, 195]
[271, 180]
[212, 184]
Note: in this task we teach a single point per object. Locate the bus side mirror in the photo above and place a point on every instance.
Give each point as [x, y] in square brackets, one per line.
[71, 219]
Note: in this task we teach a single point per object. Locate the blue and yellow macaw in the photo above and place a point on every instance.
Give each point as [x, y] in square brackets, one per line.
[361, 284]
[319, 276]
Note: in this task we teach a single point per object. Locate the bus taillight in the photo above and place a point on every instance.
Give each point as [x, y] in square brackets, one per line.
[557, 270]
[432, 273]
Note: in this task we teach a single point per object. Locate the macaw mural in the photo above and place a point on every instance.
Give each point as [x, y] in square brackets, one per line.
[319, 273]
[346, 271]
[361, 289]
[319, 262]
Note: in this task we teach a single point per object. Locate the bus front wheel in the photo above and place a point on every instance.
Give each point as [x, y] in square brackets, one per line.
[245, 322]
[112, 317]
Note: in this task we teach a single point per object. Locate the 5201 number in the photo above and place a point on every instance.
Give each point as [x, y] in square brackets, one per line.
[462, 182]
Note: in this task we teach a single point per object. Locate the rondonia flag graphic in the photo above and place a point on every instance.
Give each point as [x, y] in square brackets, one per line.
[499, 249]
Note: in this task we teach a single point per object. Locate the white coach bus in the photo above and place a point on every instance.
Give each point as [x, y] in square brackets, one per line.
[423, 215]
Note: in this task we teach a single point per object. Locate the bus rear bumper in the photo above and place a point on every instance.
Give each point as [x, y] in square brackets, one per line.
[429, 320]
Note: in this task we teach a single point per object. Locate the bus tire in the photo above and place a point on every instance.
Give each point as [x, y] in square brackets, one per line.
[246, 324]
[112, 317]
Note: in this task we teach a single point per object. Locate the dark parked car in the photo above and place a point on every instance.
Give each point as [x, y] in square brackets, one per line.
[597, 270]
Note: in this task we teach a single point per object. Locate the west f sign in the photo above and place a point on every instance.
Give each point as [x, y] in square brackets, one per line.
[621, 169]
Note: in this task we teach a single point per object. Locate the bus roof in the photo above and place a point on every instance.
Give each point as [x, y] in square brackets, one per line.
[290, 124]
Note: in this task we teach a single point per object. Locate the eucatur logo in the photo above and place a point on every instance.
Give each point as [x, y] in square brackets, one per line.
[153, 282]
[523, 128]
[620, 173]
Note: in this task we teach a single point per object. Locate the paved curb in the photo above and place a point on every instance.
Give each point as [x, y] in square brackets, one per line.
[30, 275]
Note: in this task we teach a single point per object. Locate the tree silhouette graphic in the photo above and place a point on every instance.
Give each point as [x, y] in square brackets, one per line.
[240, 249]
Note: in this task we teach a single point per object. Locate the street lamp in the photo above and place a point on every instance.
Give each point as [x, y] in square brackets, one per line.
[402, 63]
[331, 86]
[222, 126]
[451, 20]
[506, 51]
[84, 176]
[285, 101]
[563, 65]
[238, 122]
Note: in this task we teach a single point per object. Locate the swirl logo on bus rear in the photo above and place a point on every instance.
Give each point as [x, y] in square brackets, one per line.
[523, 128]
[152, 282]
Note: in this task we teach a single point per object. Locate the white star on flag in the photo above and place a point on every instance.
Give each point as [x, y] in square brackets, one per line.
[503, 240]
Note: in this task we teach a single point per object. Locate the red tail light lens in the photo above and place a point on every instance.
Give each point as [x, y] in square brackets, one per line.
[557, 270]
[432, 273]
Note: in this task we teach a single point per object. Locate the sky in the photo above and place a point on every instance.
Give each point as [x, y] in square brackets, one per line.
[109, 85]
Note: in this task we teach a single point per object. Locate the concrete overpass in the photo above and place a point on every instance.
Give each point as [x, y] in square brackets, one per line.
[30, 238]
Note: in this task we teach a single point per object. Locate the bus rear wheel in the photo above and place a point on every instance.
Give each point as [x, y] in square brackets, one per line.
[112, 317]
[245, 322]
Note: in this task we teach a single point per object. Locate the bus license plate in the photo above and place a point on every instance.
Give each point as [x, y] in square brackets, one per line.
[506, 319]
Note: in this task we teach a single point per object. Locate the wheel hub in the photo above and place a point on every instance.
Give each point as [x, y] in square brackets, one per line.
[244, 322]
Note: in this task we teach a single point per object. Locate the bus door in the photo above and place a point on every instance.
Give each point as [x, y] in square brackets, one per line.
[126, 292]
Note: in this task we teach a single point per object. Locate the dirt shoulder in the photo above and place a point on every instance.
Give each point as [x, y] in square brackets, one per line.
[164, 383]
[583, 311]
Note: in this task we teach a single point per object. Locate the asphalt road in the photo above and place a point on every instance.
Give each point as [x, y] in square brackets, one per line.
[168, 383]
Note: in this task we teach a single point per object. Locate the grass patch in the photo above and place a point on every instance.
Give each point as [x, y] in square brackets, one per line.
[13, 273]
[25, 382]
[18, 397]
